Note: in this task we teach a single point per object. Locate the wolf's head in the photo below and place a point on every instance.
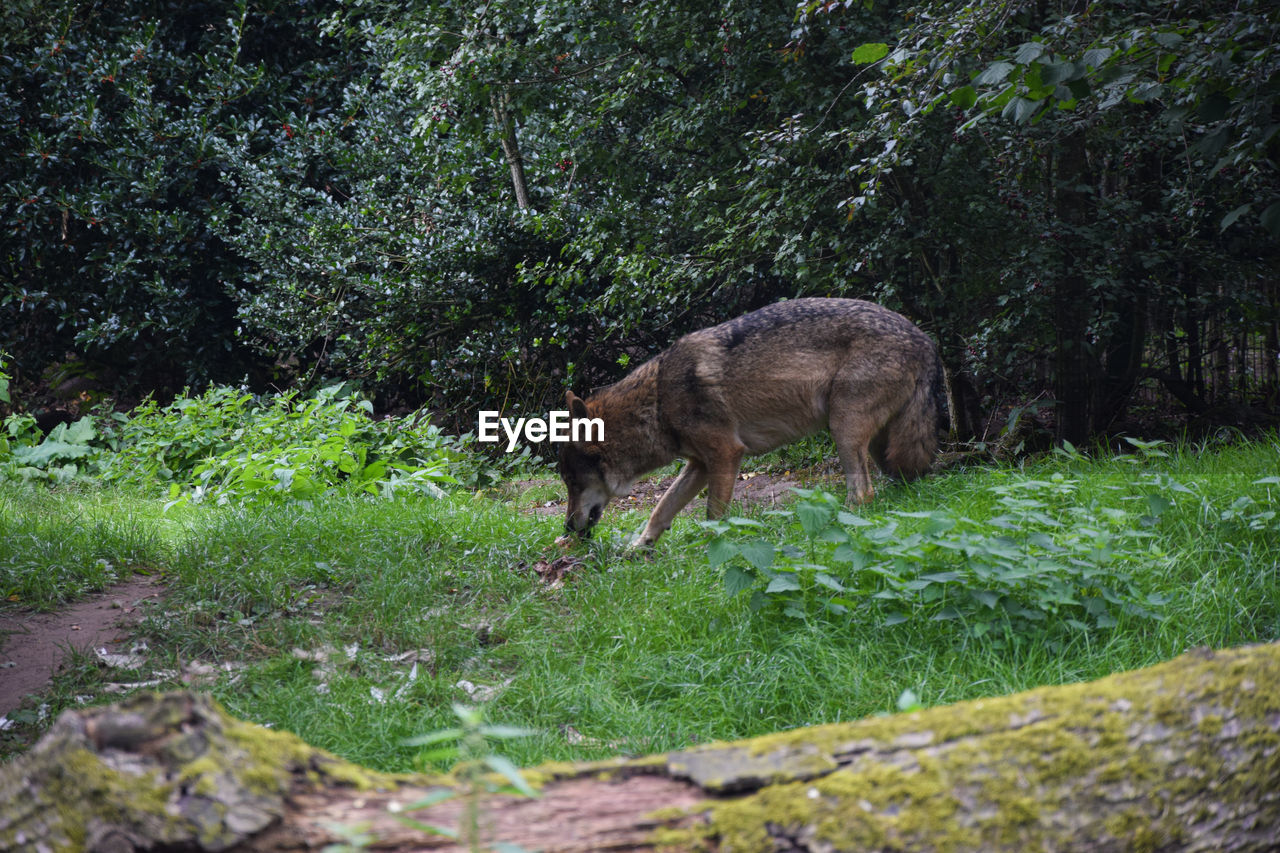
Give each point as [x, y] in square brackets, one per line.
[585, 473]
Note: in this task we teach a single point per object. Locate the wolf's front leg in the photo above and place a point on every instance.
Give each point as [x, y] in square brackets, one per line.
[685, 488]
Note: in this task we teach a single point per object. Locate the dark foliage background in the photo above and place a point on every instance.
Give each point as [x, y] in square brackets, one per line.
[467, 206]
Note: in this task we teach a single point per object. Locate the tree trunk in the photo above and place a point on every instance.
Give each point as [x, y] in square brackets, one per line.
[1072, 303]
[1124, 356]
[1182, 756]
[1271, 352]
[500, 101]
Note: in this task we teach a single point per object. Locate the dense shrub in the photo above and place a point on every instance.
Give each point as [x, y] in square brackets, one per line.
[475, 207]
[230, 446]
[112, 117]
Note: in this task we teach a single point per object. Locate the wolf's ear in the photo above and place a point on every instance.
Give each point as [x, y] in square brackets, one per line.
[573, 402]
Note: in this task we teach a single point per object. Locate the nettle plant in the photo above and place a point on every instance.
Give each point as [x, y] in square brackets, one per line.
[1044, 563]
[229, 446]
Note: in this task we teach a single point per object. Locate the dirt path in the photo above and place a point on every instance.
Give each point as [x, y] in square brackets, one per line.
[32, 645]
[750, 488]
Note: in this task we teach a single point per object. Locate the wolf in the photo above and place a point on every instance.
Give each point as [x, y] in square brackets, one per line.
[753, 384]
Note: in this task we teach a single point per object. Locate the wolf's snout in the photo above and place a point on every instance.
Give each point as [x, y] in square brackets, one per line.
[581, 523]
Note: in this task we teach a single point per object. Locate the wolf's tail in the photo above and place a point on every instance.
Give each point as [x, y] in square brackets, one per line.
[911, 438]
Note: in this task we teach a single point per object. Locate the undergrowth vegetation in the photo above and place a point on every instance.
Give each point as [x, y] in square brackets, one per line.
[1024, 557]
[227, 445]
[1065, 552]
[359, 622]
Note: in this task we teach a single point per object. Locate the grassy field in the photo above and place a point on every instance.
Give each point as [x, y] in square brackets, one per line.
[357, 623]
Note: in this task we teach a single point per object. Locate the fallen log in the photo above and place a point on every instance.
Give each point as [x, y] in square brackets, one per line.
[1184, 755]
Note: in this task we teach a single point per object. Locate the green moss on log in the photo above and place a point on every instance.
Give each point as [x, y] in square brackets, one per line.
[1138, 756]
[174, 769]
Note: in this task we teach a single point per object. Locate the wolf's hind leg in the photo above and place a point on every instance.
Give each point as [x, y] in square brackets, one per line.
[722, 473]
[685, 488]
[853, 432]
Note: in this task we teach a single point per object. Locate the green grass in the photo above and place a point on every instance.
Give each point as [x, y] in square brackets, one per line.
[631, 655]
[57, 546]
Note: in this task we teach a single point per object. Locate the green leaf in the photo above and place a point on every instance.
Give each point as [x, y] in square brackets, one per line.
[964, 97]
[1020, 109]
[1145, 92]
[1028, 52]
[1230, 218]
[813, 517]
[431, 799]
[1095, 57]
[938, 523]
[994, 73]
[737, 580]
[865, 54]
[986, 597]
[432, 737]
[442, 755]
[1213, 108]
[1059, 72]
[511, 773]
[851, 520]
[426, 828]
[833, 535]
[80, 432]
[758, 553]
[848, 554]
[829, 582]
[48, 450]
[783, 583]
[720, 550]
[1271, 219]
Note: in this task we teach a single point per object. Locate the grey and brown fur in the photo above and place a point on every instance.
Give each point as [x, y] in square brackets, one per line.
[753, 384]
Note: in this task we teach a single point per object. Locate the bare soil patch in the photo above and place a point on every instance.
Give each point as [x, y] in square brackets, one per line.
[32, 645]
[752, 487]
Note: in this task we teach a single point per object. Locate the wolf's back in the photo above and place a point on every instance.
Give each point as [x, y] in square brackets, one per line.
[777, 373]
[811, 340]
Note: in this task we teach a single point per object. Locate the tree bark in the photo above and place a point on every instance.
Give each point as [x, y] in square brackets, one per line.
[500, 101]
[1074, 371]
[1184, 755]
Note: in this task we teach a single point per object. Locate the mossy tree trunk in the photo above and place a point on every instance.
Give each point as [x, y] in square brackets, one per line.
[1182, 756]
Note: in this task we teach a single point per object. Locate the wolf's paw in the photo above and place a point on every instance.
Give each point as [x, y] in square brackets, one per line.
[640, 546]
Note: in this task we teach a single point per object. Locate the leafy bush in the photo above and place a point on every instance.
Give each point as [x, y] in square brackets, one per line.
[27, 455]
[1044, 563]
[486, 208]
[113, 114]
[227, 445]
[59, 457]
